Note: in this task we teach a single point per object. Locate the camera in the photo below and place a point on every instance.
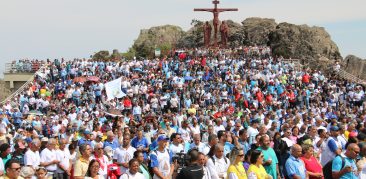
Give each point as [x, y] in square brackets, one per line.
[182, 159]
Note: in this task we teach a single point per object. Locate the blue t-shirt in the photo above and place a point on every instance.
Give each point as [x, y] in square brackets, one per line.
[294, 166]
[337, 166]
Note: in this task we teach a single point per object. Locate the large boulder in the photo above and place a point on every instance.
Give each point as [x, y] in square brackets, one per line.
[256, 30]
[355, 66]
[163, 37]
[303, 42]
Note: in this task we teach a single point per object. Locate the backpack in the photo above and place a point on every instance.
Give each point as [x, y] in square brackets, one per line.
[213, 159]
[327, 169]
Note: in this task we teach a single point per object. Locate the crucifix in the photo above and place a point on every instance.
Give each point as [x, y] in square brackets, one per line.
[216, 11]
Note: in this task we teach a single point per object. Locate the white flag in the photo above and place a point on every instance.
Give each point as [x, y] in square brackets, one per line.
[113, 89]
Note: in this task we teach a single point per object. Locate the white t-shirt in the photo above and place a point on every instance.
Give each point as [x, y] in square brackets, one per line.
[176, 149]
[128, 175]
[123, 155]
[48, 156]
[64, 157]
[32, 159]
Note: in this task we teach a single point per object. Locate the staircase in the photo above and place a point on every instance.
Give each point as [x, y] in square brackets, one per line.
[24, 86]
[350, 77]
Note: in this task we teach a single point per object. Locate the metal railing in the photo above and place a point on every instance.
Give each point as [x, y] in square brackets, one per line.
[26, 84]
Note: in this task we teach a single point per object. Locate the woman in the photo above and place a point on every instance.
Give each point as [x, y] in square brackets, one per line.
[41, 173]
[295, 134]
[139, 155]
[236, 169]
[26, 172]
[132, 172]
[312, 165]
[93, 170]
[256, 169]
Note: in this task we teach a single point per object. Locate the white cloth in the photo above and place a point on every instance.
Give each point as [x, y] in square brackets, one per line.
[128, 175]
[123, 155]
[49, 156]
[64, 157]
[32, 159]
[103, 166]
[219, 168]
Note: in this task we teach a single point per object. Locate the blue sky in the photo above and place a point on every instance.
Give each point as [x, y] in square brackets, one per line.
[68, 28]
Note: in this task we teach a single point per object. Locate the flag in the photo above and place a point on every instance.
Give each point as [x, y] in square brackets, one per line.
[113, 89]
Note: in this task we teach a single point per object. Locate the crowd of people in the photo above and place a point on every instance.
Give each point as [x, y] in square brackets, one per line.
[198, 114]
[25, 65]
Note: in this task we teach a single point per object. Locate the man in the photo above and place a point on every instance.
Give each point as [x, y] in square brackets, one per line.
[86, 139]
[132, 172]
[63, 155]
[18, 153]
[176, 146]
[349, 168]
[48, 157]
[210, 130]
[12, 168]
[140, 143]
[332, 148]
[82, 164]
[243, 140]
[295, 168]
[270, 158]
[111, 141]
[161, 160]
[97, 140]
[197, 143]
[32, 157]
[5, 152]
[194, 170]
[218, 164]
[253, 131]
[102, 159]
[124, 154]
[212, 141]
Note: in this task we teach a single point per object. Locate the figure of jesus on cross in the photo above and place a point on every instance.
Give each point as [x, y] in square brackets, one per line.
[216, 11]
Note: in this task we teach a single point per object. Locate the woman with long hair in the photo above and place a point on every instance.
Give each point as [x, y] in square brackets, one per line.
[236, 169]
[93, 170]
[256, 169]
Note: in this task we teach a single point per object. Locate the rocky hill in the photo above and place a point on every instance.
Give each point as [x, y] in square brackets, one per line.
[355, 66]
[310, 44]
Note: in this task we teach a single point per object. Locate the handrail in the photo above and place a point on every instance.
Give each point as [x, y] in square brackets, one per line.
[25, 84]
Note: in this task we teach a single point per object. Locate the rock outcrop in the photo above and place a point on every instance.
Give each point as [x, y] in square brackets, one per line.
[287, 40]
[163, 37]
[303, 42]
[355, 66]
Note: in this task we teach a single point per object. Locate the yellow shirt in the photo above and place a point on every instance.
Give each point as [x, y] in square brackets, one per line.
[81, 167]
[260, 172]
[238, 170]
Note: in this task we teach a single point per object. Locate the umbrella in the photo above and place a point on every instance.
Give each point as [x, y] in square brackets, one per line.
[79, 80]
[93, 78]
[35, 112]
[114, 112]
[188, 78]
[138, 69]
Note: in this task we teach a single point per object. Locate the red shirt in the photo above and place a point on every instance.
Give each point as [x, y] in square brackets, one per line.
[312, 165]
[306, 78]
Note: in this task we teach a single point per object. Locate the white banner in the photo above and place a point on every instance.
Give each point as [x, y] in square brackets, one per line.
[113, 89]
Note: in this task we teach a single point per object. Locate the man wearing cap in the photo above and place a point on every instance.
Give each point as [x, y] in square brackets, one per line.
[161, 160]
[333, 146]
[86, 138]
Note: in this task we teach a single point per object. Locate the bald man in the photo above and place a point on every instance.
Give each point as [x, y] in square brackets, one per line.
[295, 168]
[349, 169]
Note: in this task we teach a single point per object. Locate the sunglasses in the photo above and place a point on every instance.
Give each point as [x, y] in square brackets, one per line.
[16, 169]
[241, 155]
